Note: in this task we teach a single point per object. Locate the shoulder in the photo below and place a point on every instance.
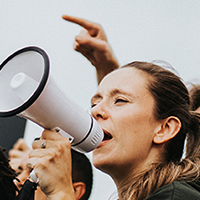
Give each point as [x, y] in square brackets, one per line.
[177, 190]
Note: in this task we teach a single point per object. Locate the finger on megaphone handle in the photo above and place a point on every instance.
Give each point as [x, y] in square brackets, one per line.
[50, 135]
[36, 163]
[41, 145]
[22, 177]
[53, 135]
[31, 163]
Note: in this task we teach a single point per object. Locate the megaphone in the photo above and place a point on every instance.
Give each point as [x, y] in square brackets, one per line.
[27, 90]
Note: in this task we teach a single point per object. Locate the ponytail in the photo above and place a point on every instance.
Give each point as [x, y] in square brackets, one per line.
[190, 165]
[193, 137]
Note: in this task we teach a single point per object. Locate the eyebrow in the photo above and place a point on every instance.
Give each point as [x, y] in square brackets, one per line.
[112, 93]
[95, 97]
[118, 91]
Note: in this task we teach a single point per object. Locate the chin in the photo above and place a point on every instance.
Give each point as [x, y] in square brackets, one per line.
[99, 161]
[102, 163]
[105, 168]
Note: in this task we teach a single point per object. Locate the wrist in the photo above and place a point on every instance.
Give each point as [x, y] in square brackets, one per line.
[105, 68]
[107, 65]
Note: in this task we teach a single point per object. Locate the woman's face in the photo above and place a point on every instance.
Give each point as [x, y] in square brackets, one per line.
[123, 107]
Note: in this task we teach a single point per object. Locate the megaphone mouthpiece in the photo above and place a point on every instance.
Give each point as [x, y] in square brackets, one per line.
[24, 86]
[17, 80]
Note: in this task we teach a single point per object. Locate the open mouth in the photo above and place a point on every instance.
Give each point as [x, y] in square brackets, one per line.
[106, 139]
[107, 136]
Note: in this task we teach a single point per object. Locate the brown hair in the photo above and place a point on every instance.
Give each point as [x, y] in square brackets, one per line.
[194, 97]
[171, 99]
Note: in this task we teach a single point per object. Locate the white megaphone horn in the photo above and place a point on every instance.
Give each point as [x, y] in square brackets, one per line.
[28, 91]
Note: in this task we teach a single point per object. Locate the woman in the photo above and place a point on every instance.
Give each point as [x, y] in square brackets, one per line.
[144, 112]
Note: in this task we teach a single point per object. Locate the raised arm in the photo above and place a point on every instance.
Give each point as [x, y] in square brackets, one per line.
[92, 43]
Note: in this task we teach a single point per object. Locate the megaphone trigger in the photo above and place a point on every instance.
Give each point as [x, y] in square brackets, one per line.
[63, 133]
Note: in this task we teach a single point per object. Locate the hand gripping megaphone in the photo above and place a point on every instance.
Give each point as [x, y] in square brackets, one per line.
[28, 91]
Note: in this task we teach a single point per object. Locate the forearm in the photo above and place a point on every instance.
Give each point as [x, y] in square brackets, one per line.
[104, 68]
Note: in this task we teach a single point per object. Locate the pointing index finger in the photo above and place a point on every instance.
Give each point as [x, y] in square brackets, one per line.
[90, 26]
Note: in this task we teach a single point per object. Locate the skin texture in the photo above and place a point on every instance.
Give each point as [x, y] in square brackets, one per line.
[18, 160]
[124, 109]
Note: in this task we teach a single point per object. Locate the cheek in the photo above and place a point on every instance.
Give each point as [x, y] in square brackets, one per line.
[133, 121]
[132, 129]
[135, 142]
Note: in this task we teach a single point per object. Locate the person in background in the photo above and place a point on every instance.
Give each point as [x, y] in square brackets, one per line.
[144, 112]
[82, 175]
[8, 189]
[194, 91]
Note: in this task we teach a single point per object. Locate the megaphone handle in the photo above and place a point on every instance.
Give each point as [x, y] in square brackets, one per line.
[33, 177]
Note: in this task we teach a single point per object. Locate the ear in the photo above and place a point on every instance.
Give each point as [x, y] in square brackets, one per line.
[168, 130]
[79, 189]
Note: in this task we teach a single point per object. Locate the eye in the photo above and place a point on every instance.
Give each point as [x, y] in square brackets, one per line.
[120, 100]
[93, 105]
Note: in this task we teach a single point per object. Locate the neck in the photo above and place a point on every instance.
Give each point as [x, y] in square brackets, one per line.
[128, 175]
[125, 177]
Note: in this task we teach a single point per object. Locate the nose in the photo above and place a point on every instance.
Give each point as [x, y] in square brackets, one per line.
[99, 112]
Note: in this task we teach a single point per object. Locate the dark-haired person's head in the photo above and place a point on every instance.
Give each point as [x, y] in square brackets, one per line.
[8, 189]
[82, 173]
